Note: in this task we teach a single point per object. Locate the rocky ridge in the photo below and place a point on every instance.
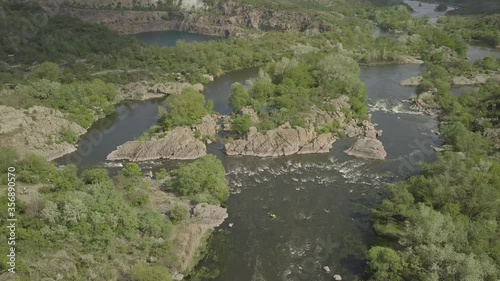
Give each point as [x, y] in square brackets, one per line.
[143, 91]
[180, 143]
[225, 19]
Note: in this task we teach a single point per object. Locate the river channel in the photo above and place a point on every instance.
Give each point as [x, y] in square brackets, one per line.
[322, 202]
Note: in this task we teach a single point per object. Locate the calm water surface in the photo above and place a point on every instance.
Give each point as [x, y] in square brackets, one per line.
[170, 38]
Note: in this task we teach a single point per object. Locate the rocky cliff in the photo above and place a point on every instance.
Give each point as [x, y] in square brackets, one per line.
[224, 19]
[36, 130]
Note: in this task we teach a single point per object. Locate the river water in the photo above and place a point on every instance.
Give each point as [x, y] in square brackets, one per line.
[321, 202]
[170, 38]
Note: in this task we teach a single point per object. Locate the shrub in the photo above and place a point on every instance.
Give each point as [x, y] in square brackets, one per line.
[241, 124]
[131, 170]
[203, 176]
[144, 272]
[179, 213]
[68, 135]
[95, 176]
[161, 174]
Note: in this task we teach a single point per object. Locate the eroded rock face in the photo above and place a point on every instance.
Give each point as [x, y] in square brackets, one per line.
[494, 135]
[281, 141]
[207, 128]
[180, 143]
[142, 91]
[227, 19]
[367, 148]
[36, 130]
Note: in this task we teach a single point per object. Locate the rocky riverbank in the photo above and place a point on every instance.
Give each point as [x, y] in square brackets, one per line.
[37, 130]
[181, 143]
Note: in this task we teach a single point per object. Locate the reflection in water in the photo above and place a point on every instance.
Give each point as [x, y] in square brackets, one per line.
[422, 9]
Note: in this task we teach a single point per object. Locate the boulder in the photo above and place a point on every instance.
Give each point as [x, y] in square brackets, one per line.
[207, 128]
[281, 141]
[367, 129]
[180, 143]
[367, 148]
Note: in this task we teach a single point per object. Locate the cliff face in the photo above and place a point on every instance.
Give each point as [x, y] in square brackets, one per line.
[225, 19]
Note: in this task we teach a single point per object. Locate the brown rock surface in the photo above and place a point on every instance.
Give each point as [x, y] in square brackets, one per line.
[367, 148]
[179, 143]
[36, 130]
[281, 141]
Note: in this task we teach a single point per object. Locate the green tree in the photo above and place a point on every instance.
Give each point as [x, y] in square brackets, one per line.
[95, 176]
[239, 97]
[185, 109]
[385, 264]
[204, 176]
[241, 124]
[48, 70]
[131, 170]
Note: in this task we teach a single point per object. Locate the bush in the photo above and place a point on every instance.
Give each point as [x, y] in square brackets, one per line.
[241, 124]
[161, 174]
[178, 214]
[131, 170]
[185, 109]
[239, 97]
[144, 272]
[48, 70]
[203, 176]
[95, 176]
[68, 135]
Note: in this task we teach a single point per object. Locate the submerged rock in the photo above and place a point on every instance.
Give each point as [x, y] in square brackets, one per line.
[180, 143]
[368, 148]
[412, 81]
[281, 141]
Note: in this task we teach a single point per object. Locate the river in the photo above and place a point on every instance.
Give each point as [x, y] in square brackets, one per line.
[322, 202]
